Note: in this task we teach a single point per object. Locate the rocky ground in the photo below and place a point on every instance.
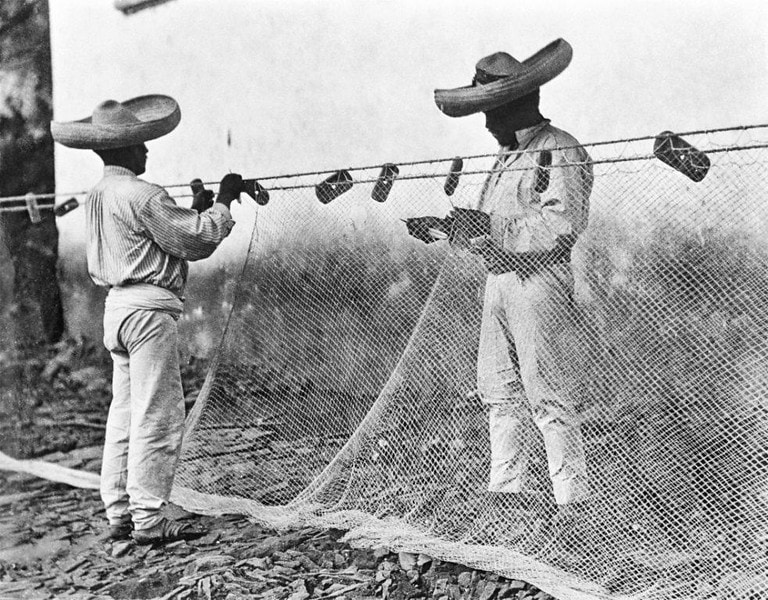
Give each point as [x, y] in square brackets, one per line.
[53, 406]
[51, 548]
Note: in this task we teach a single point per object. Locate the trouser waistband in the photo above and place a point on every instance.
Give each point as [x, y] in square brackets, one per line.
[143, 296]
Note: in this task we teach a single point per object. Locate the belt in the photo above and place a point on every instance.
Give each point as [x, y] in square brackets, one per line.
[531, 266]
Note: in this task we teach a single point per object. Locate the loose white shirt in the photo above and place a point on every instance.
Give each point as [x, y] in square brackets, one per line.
[138, 234]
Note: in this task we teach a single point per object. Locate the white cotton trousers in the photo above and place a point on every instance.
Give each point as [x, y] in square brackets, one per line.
[146, 417]
[525, 360]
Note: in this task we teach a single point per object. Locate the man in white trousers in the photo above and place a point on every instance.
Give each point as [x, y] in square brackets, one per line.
[138, 244]
[531, 210]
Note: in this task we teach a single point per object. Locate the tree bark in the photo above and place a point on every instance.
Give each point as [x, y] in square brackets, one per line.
[26, 165]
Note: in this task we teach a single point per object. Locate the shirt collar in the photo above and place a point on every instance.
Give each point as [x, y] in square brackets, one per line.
[114, 170]
[524, 136]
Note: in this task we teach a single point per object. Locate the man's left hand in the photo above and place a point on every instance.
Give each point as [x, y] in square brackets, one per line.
[230, 188]
[497, 261]
[202, 199]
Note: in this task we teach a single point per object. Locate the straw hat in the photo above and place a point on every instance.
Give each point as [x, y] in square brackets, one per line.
[500, 78]
[117, 124]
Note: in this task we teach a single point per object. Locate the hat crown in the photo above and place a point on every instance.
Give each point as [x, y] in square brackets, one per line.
[497, 66]
[112, 112]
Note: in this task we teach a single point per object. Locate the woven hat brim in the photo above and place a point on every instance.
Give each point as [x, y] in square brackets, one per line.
[540, 68]
[157, 116]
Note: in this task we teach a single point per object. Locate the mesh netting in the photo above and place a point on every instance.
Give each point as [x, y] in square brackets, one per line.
[341, 393]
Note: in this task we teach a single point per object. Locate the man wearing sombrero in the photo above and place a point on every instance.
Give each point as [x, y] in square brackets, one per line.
[532, 208]
[138, 245]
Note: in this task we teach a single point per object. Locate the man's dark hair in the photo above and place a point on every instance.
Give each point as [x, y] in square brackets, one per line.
[113, 156]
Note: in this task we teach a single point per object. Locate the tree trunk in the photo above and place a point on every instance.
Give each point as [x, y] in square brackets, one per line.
[26, 165]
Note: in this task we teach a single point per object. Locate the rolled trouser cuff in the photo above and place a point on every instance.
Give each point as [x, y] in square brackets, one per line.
[571, 490]
[146, 519]
[500, 484]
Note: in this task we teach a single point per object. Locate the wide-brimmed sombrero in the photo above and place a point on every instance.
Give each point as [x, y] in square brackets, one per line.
[117, 124]
[500, 78]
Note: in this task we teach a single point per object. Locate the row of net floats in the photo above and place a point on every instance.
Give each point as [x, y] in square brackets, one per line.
[668, 147]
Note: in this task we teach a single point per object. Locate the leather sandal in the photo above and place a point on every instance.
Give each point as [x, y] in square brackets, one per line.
[166, 531]
[118, 532]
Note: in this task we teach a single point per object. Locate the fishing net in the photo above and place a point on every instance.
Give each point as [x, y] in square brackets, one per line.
[342, 393]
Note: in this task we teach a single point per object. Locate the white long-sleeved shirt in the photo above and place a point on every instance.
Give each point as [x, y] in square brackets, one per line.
[138, 234]
[523, 219]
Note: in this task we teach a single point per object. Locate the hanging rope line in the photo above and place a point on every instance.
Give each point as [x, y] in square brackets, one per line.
[10, 203]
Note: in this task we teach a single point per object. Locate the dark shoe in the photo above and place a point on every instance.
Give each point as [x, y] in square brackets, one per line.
[120, 531]
[167, 531]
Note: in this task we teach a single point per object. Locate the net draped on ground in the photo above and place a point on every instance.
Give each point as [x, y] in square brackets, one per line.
[339, 393]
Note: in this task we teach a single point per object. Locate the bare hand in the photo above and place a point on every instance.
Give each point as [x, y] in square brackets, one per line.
[202, 199]
[230, 188]
[428, 229]
[498, 261]
[469, 223]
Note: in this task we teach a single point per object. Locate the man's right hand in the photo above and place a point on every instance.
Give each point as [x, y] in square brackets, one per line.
[419, 227]
[230, 188]
[469, 223]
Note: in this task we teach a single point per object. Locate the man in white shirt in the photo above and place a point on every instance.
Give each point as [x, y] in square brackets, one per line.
[138, 245]
[533, 206]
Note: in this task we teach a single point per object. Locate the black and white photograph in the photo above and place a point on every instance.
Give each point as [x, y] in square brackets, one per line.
[342, 300]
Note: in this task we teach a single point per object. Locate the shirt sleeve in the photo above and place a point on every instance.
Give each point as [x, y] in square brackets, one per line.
[182, 232]
[554, 202]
